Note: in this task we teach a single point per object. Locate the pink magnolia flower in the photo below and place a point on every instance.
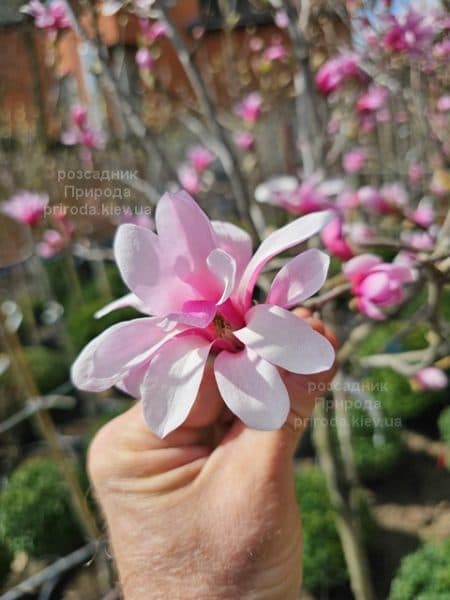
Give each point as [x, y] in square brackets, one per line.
[144, 59]
[442, 49]
[373, 100]
[411, 32]
[274, 52]
[26, 207]
[189, 179]
[244, 140]
[80, 132]
[52, 17]
[281, 19]
[313, 194]
[376, 284]
[354, 160]
[336, 71]
[197, 278]
[51, 244]
[333, 239]
[430, 378]
[443, 104]
[420, 240]
[423, 215]
[390, 198]
[200, 158]
[249, 109]
[152, 30]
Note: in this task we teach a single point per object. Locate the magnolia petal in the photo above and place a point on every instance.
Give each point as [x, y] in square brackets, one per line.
[137, 254]
[359, 265]
[299, 279]
[130, 300]
[172, 381]
[252, 389]
[275, 189]
[195, 313]
[288, 236]
[223, 267]
[286, 340]
[132, 380]
[370, 309]
[235, 241]
[102, 362]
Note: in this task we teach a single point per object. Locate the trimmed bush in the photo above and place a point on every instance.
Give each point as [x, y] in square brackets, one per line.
[83, 327]
[324, 564]
[6, 556]
[396, 396]
[48, 367]
[35, 512]
[444, 425]
[424, 574]
[375, 456]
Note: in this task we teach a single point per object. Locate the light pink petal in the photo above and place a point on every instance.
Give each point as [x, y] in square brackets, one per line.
[299, 279]
[132, 380]
[370, 309]
[360, 265]
[128, 300]
[102, 362]
[252, 389]
[172, 381]
[235, 241]
[375, 286]
[195, 313]
[142, 264]
[288, 236]
[285, 340]
[223, 267]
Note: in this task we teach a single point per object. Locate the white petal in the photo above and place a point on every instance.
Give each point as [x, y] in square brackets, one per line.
[286, 340]
[172, 381]
[252, 389]
[299, 279]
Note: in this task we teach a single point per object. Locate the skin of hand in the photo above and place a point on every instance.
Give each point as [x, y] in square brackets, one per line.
[208, 512]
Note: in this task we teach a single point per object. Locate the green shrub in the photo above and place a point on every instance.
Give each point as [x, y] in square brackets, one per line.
[83, 327]
[6, 556]
[444, 425]
[35, 512]
[48, 367]
[424, 574]
[375, 456]
[397, 398]
[324, 564]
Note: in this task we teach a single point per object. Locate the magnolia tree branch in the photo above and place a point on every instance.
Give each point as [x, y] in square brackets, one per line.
[145, 137]
[225, 151]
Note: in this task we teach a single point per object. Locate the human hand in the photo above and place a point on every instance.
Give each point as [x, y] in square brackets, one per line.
[208, 512]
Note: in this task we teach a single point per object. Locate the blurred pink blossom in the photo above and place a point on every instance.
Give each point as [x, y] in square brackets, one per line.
[336, 71]
[443, 104]
[80, 132]
[312, 194]
[411, 32]
[430, 378]
[333, 239]
[281, 19]
[144, 59]
[189, 178]
[52, 17]
[26, 207]
[423, 215]
[51, 244]
[244, 140]
[276, 51]
[200, 157]
[372, 100]
[249, 109]
[375, 284]
[354, 160]
[442, 49]
[206, 310]
[152, 30]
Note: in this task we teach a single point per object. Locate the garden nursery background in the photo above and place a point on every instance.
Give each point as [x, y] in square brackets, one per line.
[263, 111]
